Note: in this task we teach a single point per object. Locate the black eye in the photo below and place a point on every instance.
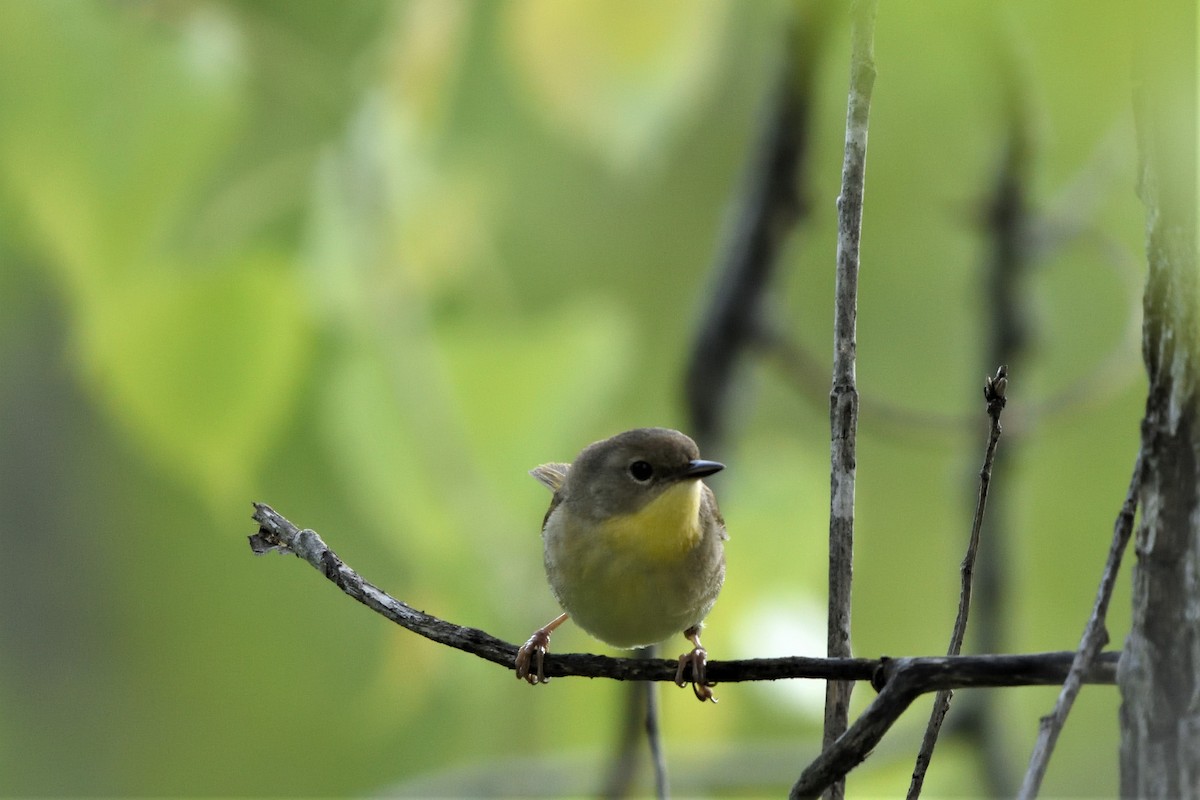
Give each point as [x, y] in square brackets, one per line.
[641, 471]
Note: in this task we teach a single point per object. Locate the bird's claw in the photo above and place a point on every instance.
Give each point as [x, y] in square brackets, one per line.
[697, 659]
[533, 653]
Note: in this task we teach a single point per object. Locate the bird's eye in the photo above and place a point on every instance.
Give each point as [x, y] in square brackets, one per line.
[641, 471]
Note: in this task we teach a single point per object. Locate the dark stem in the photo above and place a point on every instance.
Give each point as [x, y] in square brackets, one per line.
[1008, 326]
[768, 206]
[993, 393]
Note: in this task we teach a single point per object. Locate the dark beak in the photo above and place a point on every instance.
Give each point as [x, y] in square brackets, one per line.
[700, 469]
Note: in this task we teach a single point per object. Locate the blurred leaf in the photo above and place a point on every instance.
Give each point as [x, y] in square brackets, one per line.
[200, 367]
[431, 436]
[424, 62]
[620, 76]
[107, 131]
[393, 227]
[527, 390]
[111, 135]
[377, 417]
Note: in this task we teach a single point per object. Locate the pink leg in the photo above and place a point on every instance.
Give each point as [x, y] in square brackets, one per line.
[535, 650]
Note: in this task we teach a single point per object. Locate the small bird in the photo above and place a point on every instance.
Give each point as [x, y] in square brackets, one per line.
[634, 547]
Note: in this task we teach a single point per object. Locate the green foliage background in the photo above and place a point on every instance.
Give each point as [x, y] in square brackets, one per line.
[369, 262]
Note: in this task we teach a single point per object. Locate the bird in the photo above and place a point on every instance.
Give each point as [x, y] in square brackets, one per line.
[633, 546]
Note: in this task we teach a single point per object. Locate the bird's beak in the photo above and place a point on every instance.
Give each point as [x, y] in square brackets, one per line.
[697, 468]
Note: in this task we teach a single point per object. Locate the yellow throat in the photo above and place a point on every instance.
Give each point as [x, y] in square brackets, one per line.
[666, 528]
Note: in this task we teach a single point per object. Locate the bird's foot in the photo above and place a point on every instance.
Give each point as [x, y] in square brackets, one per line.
[697, 659]
[533, 653]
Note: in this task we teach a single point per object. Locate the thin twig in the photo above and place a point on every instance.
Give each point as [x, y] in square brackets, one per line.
[277, 533]
[843, 396]
[1095, 636]
[993, 393]
[1008, 328]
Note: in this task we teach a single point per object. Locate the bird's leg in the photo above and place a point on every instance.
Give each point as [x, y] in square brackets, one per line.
[535, 650]
[697, 658]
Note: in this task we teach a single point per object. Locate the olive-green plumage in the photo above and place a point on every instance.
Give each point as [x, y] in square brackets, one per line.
[634, 541]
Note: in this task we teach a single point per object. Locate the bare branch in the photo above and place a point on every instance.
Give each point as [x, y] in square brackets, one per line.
[277, 533]
[993, 393]
[843, 397]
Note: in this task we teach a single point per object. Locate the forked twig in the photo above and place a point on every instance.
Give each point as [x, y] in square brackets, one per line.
[903, 680]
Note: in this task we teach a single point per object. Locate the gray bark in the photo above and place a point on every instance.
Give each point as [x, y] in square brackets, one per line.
[1160, 665]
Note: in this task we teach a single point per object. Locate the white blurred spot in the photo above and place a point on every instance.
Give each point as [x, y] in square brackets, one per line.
[787, 626]
[213, 47]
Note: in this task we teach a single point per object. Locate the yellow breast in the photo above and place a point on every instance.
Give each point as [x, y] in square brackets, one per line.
[665, 529]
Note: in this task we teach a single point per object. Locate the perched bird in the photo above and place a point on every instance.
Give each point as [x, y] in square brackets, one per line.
[634, 547]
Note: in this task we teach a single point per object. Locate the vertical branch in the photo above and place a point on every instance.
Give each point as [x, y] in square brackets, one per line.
[639, 715]
[658, 758]
[635, 719]
[843, 397]
[993, 392]
[1160, 665]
